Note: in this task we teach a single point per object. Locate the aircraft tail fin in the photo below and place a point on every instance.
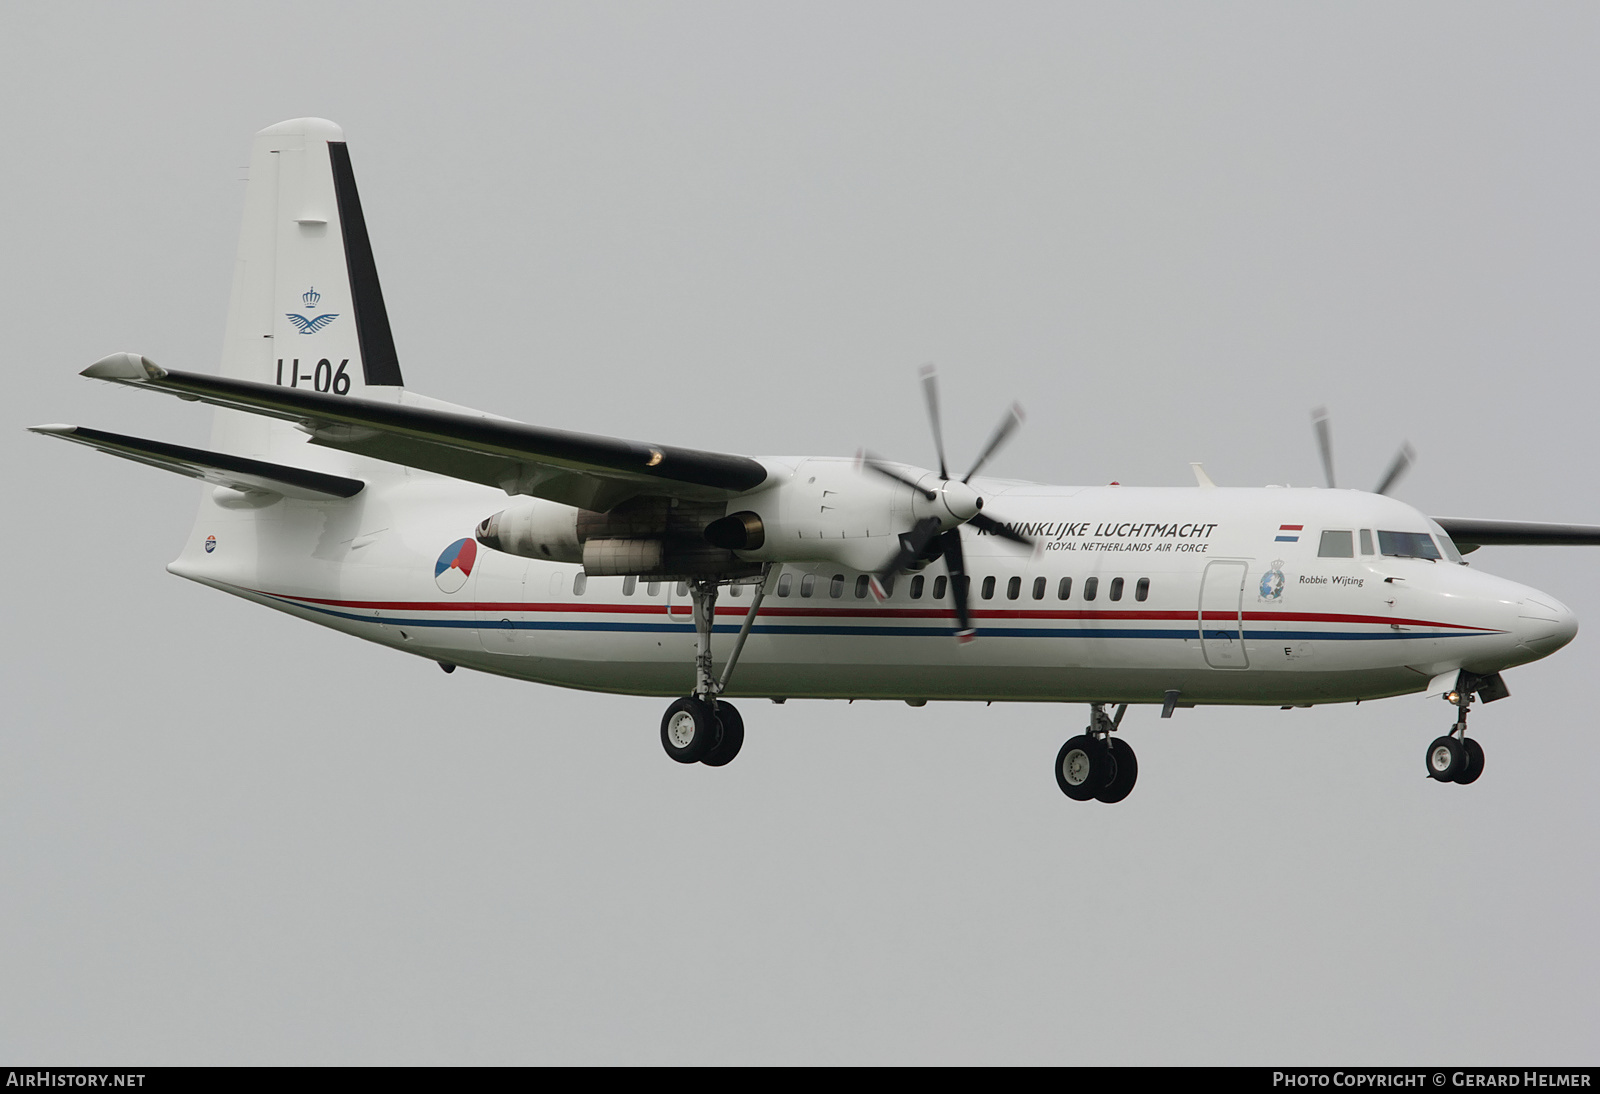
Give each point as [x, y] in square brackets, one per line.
[306, 309]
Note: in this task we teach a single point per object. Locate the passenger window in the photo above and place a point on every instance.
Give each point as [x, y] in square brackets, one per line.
[808, 585]
[938, 588]
[1116, 588]
[888, 586]
[1039, 584]
[785, 583]
[1091, 587]
[965, 584]
[861, 586]
[580, 582]
[1064, 590]
[683, 588]
[652, 588]
[1141, 591]
[836, 586]
[988, 588]
[916, 587]
[629, 583]
[736, 590]
[1366, 541]
[1336, 545]
[1013, 588]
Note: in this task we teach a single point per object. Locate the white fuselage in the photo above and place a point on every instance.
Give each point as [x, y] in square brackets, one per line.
[1216, 593]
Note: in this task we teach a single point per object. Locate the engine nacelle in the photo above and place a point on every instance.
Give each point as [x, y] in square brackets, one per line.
[621, 557]
[825, 510]
[647, 537]
[816, 510]
[538, 529]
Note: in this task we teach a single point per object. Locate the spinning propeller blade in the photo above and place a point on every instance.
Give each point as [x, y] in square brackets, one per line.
[1403, 460]
[995, 528]
[912, 544]
[930, 392]
[1008, 425]
[926, 533]
[1319, 419]
[867, 459]
[960, 587]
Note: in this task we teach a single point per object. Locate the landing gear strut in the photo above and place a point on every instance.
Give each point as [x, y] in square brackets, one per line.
[1455, 757]
[701, 728]
[1096, 765]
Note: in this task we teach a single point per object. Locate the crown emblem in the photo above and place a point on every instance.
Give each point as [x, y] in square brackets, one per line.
[311, 296]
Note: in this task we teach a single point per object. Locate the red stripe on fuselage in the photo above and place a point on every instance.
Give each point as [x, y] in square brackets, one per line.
[781, 611]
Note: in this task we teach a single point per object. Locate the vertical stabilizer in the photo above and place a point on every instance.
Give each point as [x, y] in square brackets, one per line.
[307, 310]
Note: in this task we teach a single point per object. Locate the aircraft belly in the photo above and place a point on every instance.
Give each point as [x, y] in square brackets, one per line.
[999, 669]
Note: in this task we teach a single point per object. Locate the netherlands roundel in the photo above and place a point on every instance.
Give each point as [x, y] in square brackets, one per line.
[455, 565]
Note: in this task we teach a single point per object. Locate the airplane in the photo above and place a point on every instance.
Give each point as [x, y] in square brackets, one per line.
[336, 494]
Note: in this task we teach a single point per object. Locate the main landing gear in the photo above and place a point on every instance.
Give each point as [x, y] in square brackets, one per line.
[1096, 765]
[702, 728]
[1455, 757]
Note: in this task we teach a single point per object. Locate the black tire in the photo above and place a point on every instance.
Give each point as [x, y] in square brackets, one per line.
[689, 730]
[732, 737]
[1445, 759]
[1473, 767]
[1124, 772]
[1082, 767]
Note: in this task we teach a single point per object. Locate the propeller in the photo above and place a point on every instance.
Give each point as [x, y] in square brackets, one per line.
[1401, 463]
[940, 536]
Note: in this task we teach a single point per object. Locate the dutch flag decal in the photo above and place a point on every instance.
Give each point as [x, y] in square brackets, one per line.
[1289, 533]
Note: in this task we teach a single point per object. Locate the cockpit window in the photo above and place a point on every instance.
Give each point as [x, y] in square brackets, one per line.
[1336, 545]
[1407, 545]
[1446, 544]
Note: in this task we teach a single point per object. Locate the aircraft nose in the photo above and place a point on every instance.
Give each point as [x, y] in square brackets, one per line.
[1544, 624]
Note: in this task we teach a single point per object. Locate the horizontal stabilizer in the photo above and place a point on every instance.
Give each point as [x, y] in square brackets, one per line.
[237, 472]
[579, 469]
[1469, 535]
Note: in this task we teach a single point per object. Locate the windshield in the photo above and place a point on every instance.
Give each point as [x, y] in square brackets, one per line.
[1446, 544]
[1407, 545]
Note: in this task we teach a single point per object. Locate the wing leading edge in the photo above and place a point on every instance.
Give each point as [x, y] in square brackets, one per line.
[1470, 534]
[588, 471]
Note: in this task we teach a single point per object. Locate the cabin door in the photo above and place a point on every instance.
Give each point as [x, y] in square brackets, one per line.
[1222, 613]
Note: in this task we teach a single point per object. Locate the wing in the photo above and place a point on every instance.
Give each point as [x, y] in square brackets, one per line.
[579, 469]
[256, 476]
[1469, 534]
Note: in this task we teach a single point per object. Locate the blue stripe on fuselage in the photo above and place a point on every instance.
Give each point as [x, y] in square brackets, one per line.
[941, 631]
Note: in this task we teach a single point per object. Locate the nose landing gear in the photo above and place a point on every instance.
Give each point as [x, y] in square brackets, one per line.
[1455, 757]
[1095, 766]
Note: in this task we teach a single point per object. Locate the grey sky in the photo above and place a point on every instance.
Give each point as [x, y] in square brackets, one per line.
[1169, 230]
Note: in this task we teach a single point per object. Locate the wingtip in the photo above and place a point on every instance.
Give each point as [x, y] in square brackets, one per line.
[53, 429]
[124, 366]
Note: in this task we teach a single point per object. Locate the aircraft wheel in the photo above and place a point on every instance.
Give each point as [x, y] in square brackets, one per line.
[732, 736]
[1082, 767]
[689, 730]
[1472, 767]
[1124, 772]
[1446, 759]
